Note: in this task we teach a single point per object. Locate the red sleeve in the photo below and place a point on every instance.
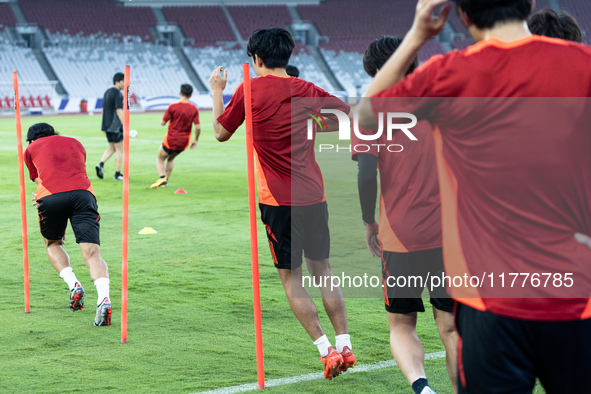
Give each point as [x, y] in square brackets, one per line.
[331, 101]
[29, 163]
[422, 83]
[167, 115]
[418, 84]
[196, 117]
[234, 115]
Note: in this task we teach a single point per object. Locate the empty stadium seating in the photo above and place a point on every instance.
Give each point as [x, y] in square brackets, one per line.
[248, 19]
[86, 68]
[88, 41]
[206, 25]
[90, 17]
[7, 17]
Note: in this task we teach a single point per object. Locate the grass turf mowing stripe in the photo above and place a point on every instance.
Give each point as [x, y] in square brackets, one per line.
[313, 376]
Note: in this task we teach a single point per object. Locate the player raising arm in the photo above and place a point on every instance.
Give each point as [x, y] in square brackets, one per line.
[514, 190]
[291, 188]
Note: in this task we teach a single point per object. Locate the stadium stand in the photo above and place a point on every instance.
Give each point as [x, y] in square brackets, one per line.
[87, 41]
[206, 25]
[23, 60]
[204, 60]
[86, 66]
[357, 20]
[309, 69]
[7, 17]
[90, 17]
[248, 19]
[350, 27]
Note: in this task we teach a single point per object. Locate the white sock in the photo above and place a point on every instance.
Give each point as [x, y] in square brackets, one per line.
[323, 344]
[342, 341]
[102, 288]
[67, 274]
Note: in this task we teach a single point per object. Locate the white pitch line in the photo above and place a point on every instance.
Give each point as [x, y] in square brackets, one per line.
[312, 376]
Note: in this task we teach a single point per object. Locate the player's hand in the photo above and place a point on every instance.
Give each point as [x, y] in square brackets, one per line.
[425, 24]
[216, 81]
[34, 199]
[583, 239]
[371, 238]
[193, 144]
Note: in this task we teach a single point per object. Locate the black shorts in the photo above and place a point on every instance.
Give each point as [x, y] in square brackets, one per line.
[405, 275]
[115, 137]
[171, 151]
[79, 206]
[291, 230]
[498, 354]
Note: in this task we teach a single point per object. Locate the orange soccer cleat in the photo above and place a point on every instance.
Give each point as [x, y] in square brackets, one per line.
[332, 363]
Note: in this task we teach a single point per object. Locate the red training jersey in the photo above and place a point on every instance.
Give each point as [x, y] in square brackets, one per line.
[410, 216]
[59, 163]
[514, 186]
[287, 172]
[181, 116]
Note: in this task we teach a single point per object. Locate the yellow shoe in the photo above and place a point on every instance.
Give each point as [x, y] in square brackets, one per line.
[161, 182]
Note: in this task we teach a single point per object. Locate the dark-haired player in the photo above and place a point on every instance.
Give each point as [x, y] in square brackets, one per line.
[291, 188]
[514, 179]
[57, 165]
[409, 231]
[292, 71]
[182, 115]
[112, 126]
[549, 23]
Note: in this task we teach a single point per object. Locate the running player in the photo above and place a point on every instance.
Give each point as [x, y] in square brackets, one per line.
[297, 221]
[513, 175]
[57, 165]
[409, 231]
[182, 115]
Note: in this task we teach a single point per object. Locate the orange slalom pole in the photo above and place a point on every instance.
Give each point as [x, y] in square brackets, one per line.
[254, 249]
[21, 177]
[125, 241]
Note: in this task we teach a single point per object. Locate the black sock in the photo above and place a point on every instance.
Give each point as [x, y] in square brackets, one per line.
[162, 176]
[419, 385]
[101, 164]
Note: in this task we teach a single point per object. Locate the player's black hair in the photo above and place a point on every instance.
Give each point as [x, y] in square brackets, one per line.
[292, 71]
[273, 46]
[378, 53]
[118, 77]
[39, 130]
[549, 23]
[186, 90]
[484, 14]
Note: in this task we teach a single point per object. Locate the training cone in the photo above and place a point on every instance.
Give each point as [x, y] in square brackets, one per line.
[180, 191]
[147, 230]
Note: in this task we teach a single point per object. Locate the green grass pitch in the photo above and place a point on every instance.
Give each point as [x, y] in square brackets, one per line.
[190, 322]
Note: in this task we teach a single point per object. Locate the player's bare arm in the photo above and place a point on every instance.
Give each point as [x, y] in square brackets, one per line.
[196, 137]
[163, 122]
[218, 84]
[425, 26]
[120, 114]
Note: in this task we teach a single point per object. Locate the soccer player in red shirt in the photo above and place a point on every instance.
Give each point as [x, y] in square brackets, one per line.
[514, 180]
[291, 188]
[409, 230]
[182, 116]
[57, 165]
